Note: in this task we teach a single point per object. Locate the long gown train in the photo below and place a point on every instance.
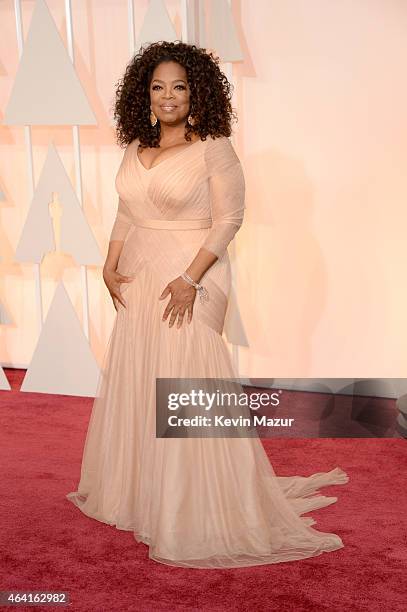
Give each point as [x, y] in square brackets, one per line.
[196, 502]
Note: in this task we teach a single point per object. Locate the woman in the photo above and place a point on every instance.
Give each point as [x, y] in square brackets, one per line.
[197, 502]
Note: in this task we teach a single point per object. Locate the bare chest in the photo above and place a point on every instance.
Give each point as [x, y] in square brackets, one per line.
[152, 156]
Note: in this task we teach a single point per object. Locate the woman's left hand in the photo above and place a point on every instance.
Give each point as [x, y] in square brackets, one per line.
[182, 300]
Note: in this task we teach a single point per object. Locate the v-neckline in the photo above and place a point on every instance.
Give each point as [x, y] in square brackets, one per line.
[167, 158]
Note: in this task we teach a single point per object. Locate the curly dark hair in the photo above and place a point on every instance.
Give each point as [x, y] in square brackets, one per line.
[210, 95]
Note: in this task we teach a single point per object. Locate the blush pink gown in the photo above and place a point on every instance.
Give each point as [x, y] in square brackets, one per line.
[196, 502]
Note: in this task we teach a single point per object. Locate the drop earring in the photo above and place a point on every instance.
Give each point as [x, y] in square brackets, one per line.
[153, 118]
[190, 120]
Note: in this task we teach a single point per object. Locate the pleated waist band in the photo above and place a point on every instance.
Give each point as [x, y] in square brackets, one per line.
[173, 224]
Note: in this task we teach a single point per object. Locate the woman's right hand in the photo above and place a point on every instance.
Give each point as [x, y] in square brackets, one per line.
[113, 281]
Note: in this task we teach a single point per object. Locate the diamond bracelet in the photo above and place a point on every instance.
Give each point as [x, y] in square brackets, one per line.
[203, 292]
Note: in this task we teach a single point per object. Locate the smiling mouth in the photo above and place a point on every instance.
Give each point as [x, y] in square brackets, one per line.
[168, 108]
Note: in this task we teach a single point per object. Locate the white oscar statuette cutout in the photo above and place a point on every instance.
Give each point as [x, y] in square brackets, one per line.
[54, 262]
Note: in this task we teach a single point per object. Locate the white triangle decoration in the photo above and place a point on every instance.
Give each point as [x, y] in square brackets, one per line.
[39, 233]
[221, 32]
[157, 25]
[4, 383]
[62, 362]
[46, 89]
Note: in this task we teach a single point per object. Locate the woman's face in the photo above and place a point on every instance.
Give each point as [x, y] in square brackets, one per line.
[170, 93]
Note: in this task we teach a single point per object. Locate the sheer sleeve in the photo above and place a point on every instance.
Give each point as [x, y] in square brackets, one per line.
[227, 194]
[124, 219]
[122, 223]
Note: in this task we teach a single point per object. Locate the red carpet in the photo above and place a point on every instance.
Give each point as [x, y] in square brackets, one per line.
[48, 544]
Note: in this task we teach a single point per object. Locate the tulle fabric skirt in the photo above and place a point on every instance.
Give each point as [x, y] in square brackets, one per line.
[196, 502]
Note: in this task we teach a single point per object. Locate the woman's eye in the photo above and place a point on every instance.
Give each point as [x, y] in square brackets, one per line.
[155, 87]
